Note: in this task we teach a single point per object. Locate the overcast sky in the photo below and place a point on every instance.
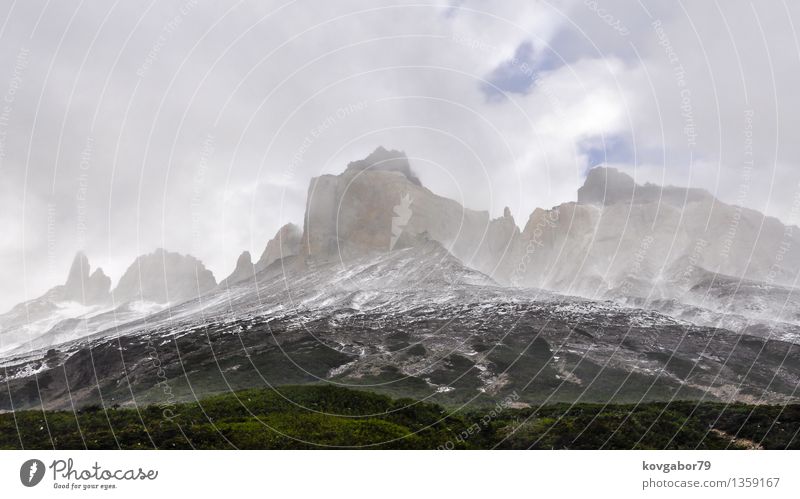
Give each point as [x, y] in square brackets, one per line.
[197, 125]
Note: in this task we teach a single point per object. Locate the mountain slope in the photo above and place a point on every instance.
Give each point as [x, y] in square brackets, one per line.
[412, 322]
[381, 291]
[83, 305]
[83, 292]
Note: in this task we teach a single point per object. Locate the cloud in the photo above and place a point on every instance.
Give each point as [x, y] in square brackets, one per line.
[197, 126]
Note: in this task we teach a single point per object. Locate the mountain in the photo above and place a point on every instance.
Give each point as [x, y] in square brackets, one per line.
[83, 305]
[286, 243]
[410, 322]
[82, 292]
[164, 277]
[622, 239]
[368, 207]
[244, 271]
[385, 160]
[83, 287]
[392, 287]
[607, 186]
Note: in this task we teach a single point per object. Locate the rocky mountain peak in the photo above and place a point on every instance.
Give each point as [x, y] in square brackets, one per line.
[385, 160]
[244, 259]
[78, 271]
[244, 271]
[99, 289]
[370, 213]
[83, 287]
[608, 186]
[285, 243]
[163, 276]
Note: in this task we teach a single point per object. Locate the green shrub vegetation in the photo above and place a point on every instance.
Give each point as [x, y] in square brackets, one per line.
[323, 416]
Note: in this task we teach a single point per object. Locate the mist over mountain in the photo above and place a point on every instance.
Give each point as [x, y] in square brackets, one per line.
[608, 186]
[285, 243]
[84, 304]
[82, 292]
[244, 270]
[374, 202]
[163, 277]
[83, 287]
[621, 239]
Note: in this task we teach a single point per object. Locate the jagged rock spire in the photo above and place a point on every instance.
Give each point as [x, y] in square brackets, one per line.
[83, 287]
[244, 271]
[285, 243]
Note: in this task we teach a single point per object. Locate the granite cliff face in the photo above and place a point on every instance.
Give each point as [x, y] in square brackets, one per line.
[82, 288]
[623, 239]
[619, 239]
[378, 202]
[636, 244]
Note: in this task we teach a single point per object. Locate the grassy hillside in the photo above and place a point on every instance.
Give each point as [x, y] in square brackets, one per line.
[300, 417]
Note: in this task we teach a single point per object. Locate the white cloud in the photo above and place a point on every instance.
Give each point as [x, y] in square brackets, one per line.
[264, 80]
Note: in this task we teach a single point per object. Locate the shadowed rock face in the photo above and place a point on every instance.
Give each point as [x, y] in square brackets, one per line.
[163, 277]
